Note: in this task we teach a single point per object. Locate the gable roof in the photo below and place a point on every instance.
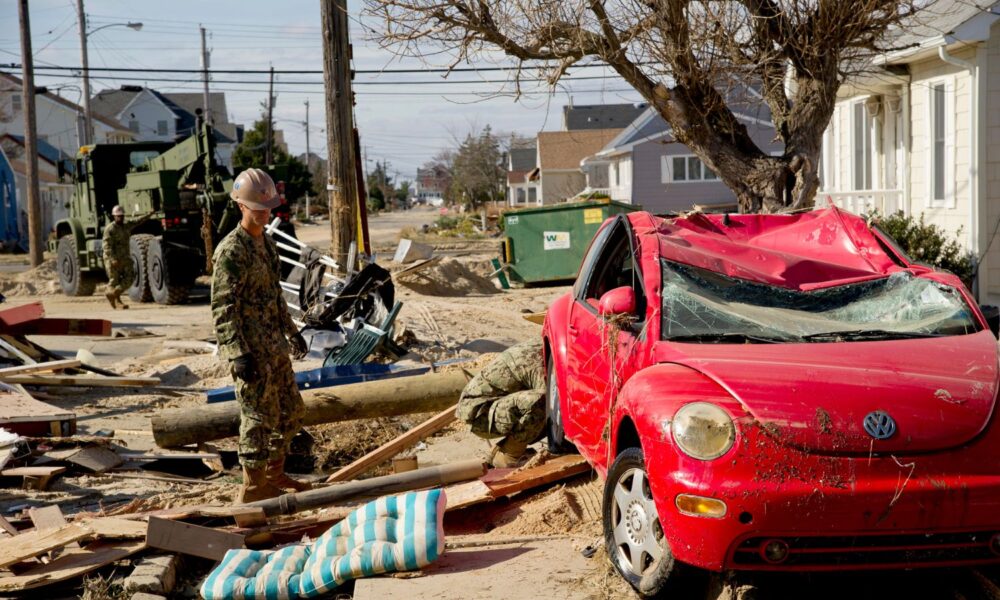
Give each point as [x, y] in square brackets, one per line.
[565, 149]
[941, 22]
[183, 107]
[108, 121]
[600, 116]
[46, 151]
[523, 159]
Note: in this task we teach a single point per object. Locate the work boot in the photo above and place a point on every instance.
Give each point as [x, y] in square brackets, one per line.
[118, 299]
[256, 486]
[111, 299]
[510, 454]
[276, 476]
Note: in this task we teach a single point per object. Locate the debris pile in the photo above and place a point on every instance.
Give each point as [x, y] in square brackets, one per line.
[448, 277]
[39, 281]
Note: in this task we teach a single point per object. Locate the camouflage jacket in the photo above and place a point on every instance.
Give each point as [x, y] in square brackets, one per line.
[247, 306]
[518, 368]
[114, 243]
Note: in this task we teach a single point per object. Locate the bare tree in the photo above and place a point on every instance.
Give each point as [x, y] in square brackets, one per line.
[682, 56]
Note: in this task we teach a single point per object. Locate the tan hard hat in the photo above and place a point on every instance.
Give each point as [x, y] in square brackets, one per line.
[255, 189]
[117, 210]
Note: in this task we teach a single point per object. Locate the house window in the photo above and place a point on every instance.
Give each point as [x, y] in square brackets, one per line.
[15, 102]
[533, 195]
[684, 168]
[133, 126]
[862, 143]
[938, 140]
[161, 128]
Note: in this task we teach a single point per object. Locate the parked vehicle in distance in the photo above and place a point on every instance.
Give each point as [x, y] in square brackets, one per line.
[776, 393]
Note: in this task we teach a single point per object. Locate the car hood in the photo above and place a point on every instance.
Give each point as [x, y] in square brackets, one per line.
[939, 391]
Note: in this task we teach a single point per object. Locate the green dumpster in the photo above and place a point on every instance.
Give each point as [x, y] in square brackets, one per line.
[547, 243]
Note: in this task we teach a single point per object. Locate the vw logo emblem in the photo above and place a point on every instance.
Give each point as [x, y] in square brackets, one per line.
[879, 425]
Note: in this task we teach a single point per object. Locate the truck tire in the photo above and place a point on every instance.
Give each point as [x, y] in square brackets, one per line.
[138, 248]
[74, 282]
[167, 283]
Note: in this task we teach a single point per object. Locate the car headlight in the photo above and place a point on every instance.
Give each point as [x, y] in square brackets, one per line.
[703, 430]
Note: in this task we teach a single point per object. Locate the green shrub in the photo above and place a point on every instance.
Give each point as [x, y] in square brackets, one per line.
[929, 244]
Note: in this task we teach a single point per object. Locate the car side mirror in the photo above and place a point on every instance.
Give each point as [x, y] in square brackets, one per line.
[619, 301]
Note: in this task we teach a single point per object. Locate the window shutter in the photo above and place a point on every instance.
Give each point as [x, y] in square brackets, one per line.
[665, 169]
[949, 144]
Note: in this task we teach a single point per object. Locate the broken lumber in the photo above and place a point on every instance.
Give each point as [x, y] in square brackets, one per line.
[15, 315]
[48, 326]
[505, 482]
[73, 563]
[31, 544]
[387, 398]
[80, 381]
[376, 486]
[54, 365]
[35, 478]
[394, 446]
[205, 542]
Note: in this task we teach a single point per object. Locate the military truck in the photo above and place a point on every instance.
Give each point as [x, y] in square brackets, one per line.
[176, 200]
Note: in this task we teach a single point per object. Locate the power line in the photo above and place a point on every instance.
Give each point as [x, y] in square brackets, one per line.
[291, 72]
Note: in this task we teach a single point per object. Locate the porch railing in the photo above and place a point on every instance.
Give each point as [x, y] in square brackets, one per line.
[862, 202]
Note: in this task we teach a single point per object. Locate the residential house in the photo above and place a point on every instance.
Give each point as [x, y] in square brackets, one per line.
[58, 121]
[921, 132]
[522, 160]
[433, 180]
[55, 169]
[153, 116]
[600, 116]
[558, 175]
[645, 166]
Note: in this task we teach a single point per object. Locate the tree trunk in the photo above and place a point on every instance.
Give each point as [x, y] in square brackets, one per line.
[431, 392]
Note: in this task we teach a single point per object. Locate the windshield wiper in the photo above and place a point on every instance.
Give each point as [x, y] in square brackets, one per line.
[731, 338]
[868, 334]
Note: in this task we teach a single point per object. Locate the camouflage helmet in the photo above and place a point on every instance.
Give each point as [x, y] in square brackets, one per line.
[254, 189]
[117, 211]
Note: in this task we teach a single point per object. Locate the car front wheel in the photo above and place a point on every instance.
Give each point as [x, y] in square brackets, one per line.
[633, 534]
[557, 439]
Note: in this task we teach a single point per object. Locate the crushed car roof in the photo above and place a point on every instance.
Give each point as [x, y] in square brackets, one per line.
[804, 251]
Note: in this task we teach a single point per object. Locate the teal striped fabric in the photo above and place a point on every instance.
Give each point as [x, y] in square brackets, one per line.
[393, 533]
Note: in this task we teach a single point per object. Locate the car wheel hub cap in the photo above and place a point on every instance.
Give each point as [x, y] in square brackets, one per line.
[636, 523]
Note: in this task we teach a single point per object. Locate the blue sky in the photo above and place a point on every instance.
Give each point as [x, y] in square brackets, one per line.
[400, 121]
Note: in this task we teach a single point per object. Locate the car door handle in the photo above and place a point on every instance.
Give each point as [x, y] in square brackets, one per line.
[572, 329]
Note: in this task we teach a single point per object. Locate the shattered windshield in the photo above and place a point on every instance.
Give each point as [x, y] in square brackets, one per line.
[704, 306]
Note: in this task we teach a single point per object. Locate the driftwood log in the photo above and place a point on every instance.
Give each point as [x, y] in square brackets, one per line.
[430, 392]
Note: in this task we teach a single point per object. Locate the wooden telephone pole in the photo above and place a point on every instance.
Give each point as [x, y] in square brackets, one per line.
[30, 137]
[342, 182]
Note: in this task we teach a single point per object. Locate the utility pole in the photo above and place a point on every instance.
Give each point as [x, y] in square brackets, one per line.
[342, 176]
[309, 158]
[30, 139]
[88, 125]
[205, 107]
[270, 120]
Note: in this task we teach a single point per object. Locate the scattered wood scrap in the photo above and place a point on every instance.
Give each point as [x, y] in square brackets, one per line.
[43, 367]
[505, 482]
[96, 459]
[35, 478]
[73, 563]
[24, 415]
[176, 536]
[80, 381]
[394, 446]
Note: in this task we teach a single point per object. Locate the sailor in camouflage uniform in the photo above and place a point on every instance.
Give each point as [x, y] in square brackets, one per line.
[507, 400]
[251, 325]
[117, 262]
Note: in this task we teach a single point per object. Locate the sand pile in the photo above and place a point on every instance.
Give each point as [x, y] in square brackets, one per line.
[449, 277]
[40, 281]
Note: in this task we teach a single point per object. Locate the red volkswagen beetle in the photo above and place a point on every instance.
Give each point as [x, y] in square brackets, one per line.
[776, 392]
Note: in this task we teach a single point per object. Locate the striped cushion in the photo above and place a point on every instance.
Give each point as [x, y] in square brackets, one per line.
[395, 533]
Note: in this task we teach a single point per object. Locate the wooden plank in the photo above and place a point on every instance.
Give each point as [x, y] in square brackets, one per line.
[558, 468]
[96, 459]
[54, 365]
[48, 326]
[195, 540]
[394, 446]
[468, 493]
[81, 381]
[31, 544]
[73, 563]
[7, 527]
[35, 478]
[49, 517]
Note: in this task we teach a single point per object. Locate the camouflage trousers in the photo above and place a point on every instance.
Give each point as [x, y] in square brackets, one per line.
[519, 417]
[120, 275]
[271, 412]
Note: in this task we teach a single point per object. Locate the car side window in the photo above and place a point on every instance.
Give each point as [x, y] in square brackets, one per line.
[590, 259]
[615, 267]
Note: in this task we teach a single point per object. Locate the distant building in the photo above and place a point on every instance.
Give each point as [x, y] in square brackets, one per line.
[154, 116]
[522, 160]
[433, 180]
[558, 175]
[55, 186]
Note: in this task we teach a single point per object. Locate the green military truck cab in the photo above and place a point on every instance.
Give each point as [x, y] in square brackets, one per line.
[176, 202]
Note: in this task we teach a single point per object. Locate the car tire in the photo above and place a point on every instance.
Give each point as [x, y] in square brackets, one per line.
[553, 412]
[633, 535]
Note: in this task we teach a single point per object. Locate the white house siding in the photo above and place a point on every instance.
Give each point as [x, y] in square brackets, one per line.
[149, 111]
[989, 127]
[619, 178]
